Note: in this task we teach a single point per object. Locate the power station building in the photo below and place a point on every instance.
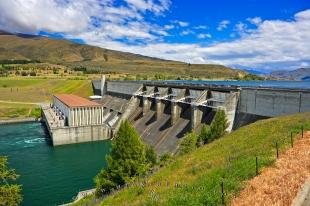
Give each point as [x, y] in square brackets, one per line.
[77, 111]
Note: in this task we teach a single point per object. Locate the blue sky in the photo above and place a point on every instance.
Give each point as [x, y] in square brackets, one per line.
[255, 34]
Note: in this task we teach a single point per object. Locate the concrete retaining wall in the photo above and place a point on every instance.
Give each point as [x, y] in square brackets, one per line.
[125, 88]
[273, 102]
[71, 135]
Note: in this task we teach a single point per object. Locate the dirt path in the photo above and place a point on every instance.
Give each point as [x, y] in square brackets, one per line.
[279, 185]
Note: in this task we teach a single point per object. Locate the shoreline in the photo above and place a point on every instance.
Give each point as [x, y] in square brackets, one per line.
[23, 120]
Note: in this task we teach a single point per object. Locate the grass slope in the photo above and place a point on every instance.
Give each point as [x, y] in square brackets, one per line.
[71, 54]
[195, 179]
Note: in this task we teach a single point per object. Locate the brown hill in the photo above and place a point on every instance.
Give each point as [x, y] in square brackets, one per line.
[71, 54]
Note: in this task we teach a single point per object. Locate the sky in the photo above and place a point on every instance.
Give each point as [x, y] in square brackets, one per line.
[263, 35]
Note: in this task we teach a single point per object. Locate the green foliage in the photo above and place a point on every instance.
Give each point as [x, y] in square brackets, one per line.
[249, 77]
[189, 143]
[165, 159]
[218, 125]
[205, 135]
[36, 112]
[150, 155]
[10, 194]
[126, 161]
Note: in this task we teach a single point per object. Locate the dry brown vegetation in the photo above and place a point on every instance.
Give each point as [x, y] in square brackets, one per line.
[66, 53]
[280, 184]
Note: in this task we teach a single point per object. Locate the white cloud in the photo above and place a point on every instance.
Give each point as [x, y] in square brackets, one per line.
[255, 20]
[186, 32]
[203, 36]
[200, 27]
[273, 44]
[223, 25]
[181, 23]
[77, 17]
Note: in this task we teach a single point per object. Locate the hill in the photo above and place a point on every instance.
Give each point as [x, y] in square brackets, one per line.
[67, 53]
[298, 74]
[196, 178]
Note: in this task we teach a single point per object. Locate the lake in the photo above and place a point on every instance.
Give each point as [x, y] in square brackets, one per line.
[267, 83]
[50, 175]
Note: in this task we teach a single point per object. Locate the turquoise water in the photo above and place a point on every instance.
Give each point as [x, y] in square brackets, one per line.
[267, 83]
[50, 175]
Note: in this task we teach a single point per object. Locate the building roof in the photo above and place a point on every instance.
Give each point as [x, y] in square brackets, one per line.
[75, 101]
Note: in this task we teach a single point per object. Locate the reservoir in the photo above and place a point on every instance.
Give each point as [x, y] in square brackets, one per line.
[50, 175]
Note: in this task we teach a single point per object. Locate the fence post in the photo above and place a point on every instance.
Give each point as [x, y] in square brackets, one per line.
[256, 163]
[277, 147]
[292, 143]
[302, 131]
[223, 195]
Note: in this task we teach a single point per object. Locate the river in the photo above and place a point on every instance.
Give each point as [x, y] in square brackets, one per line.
[50, 175]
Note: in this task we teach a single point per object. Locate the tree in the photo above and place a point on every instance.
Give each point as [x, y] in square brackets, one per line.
[189, 143]
[10, 194]
[150, 155]
[126, 161]
[205, 135]
[218, 125]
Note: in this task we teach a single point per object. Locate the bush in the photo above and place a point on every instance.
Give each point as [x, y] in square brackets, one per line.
[150, 155]
[205, 135]
[10, 194]
[218, 125]
[165, 159]
[189, 143]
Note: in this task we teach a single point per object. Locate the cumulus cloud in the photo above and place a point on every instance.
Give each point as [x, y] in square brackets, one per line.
[271, 45]
[275, 44]
[255, 20]
[79, 17]
[223, 25]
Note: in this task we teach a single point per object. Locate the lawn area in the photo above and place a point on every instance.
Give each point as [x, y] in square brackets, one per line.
[40, 90]
[195, 178]
[9, 111]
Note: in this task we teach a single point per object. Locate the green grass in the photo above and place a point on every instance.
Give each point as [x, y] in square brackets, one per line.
[10, 111]
[41, 90]
[200, 173]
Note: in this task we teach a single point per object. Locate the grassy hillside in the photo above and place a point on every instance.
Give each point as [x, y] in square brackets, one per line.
[73, 55]
[195, 179]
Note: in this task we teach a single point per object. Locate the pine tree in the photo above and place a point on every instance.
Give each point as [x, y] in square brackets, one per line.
[218, 125]
[126, 161]
[10, 194]
[189, 143]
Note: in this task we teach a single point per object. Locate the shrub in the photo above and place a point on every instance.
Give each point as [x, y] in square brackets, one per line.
[10, 194]
[205, 135]
[218, 125]
[189, 143]
[150, 155]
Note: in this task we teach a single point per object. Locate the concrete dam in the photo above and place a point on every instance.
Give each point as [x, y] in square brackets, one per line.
[163, 112]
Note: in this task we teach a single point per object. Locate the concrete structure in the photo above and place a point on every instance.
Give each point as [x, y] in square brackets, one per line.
[163, 112]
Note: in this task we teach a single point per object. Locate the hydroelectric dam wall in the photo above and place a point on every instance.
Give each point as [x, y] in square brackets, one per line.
[163, 112]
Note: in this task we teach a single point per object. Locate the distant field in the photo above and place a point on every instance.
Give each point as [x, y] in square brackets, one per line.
[9, 111]
[25, 90]
[41, 90]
